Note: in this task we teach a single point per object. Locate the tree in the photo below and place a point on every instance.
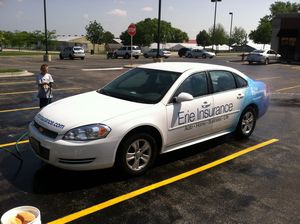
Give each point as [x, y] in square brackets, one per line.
[283, 7]
[146, 33]
[263, 32]
[203, 38]
[108, 37]
[239, 36]
[94, 33]
[219, 36]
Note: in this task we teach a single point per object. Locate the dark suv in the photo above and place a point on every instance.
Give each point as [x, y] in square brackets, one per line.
[183, 50]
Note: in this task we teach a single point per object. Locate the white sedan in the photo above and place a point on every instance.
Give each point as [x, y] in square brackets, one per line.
[149, 110]
[197, 53]
[153, 53]
[263, 56]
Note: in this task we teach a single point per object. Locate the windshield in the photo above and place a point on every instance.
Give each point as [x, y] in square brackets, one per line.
[141, 85]
[78, 48]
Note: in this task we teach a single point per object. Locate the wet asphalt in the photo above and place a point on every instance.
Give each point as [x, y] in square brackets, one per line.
[260, 187]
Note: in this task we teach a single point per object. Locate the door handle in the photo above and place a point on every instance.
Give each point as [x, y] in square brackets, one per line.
[205, 104]
[240, 96]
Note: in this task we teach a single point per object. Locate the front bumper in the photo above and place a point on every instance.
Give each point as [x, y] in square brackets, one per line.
[73, 155]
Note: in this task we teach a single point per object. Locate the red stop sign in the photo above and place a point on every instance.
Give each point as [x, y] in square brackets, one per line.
[131, 29]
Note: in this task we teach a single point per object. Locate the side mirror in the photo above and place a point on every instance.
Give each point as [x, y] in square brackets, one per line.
[182, 97]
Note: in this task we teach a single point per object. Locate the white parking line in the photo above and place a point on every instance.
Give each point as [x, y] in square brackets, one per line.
[288, 88]
[101, 69]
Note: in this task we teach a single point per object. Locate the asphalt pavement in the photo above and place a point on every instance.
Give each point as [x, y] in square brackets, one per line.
[261, 186]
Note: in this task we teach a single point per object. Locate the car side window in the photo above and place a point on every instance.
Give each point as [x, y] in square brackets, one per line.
[196, 85]
[241, 83]
[222, 81]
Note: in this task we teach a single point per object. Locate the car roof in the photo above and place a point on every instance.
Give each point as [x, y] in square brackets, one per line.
[184, 66]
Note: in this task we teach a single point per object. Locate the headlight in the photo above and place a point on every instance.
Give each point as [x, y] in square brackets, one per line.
[88, 132]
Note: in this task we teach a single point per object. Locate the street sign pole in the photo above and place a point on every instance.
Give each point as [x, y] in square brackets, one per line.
[131, 49]
[131, 32]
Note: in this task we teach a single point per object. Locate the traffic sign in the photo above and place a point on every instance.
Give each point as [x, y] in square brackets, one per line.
[131, 29]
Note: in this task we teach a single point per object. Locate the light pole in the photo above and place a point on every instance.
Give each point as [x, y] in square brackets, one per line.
[158, 28]
[231, 14]
[213, 34]
[47, 57]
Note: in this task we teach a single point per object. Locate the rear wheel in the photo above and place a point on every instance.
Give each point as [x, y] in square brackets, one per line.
[136, 154]
[61, 57]
[266, 61]
[203, 55]
[246, 123]
[127, 56]
[82, 58]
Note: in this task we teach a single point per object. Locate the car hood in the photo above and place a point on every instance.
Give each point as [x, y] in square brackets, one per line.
[84, 109]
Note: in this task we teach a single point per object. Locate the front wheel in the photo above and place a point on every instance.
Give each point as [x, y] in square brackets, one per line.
[266, 61]
[136, 154]
[246, 123]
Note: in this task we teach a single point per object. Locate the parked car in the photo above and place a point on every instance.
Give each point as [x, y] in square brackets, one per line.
[153, 53]
[125, 52]
[197, 53]
[149, 110]
[263, 56]
[72, 52]
[182, 51]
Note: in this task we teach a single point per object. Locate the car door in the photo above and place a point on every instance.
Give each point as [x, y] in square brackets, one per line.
[190, 120]
[271, 56]
[228, 100]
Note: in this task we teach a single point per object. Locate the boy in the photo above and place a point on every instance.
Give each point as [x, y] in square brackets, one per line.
[44, 81]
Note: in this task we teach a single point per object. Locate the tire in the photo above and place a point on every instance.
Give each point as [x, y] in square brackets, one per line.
[203, 55]
[71, 57]
[266, 61]
[136, 154]
[136, 57]
[250, 62]
[146, 56]
[246, 123]
[61, 57]
[82, 58]
[126, 56]
[189, 56]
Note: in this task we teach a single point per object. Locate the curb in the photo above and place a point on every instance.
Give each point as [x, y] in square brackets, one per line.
[16, 74]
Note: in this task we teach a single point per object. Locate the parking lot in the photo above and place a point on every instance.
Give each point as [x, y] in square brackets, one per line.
[258, 183]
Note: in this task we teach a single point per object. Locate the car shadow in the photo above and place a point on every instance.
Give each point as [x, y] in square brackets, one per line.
[34, 176]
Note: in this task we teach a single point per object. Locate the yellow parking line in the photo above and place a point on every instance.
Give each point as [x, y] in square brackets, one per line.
[269, 78]
[292, 87]
[13, 83]
[154, 186]
[34, 91]
[19, 109]
[14, 143]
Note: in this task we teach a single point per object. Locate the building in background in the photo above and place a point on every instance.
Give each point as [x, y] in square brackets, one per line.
[286, 36]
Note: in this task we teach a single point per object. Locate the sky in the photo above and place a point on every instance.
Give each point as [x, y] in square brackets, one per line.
[69, 17]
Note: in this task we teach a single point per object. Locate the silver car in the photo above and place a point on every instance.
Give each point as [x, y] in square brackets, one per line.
[263, 56]
[72, 52]
[197, 53]
[153, 53]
